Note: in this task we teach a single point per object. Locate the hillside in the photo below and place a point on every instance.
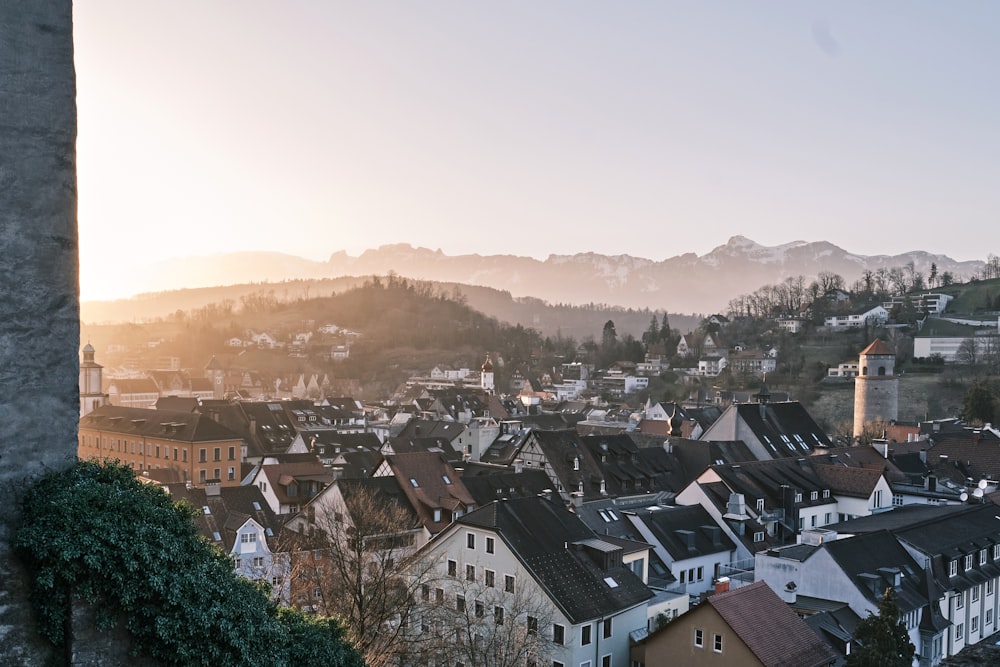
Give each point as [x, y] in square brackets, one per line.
[550, 320]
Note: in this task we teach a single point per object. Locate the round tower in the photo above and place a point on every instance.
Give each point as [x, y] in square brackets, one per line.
[486, 381]
[876, 388]
[91, 377]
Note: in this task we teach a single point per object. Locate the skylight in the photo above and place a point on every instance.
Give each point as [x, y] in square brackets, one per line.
[610, 582]
[216, 536]
[256, 505]
[206, 509]
[413, 483]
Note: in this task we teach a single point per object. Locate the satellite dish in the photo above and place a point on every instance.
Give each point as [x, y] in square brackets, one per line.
[964, 496]
[982, 484]
[978, 493]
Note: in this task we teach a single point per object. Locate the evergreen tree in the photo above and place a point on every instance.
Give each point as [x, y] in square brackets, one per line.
[883, 638]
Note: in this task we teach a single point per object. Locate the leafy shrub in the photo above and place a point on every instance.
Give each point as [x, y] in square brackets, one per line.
[96, 533]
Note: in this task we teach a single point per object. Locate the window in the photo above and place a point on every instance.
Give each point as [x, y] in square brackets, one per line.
[878, 498]
[439, 595]
[996, 551]
[959, 631]
[952, 568]
[606, 661]
[232, 453]
[452, 568]
[826, 518]
[532, 625]
[812, 521]
[217, 475]
[982, 557]
[812, 496]
[231, 474]
[699, 638]
[425, 592]
[717, 643]
[760, 504]
[558, 634]
[989, 617]
[897, 500]
[960, 601]
[606, 634]
[798, 497]
[201, 456]
[218, 454]
[490, 576]
[437, 516]
[184, 454]
[585, 634]
[975, 594]
[480, 609]
[758, 536]
[968, 562]
[460, 602]
[258, 561]
[989, 587]
[247, 538]
[470, 572]
[508, 583]
[974, 626]
[489, 545]
[202, 476]
[826, 493]
[470, 540]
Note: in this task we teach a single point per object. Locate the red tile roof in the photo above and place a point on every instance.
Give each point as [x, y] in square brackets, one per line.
[770, 629]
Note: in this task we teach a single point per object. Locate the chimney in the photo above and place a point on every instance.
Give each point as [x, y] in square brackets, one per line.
[923, 456]
[518, 466]
[721, 585]
[213, 488]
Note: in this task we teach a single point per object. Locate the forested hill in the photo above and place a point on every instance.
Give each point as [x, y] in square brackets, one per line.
[578, 322]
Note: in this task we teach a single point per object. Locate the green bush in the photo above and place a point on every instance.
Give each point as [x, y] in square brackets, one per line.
[96, 533]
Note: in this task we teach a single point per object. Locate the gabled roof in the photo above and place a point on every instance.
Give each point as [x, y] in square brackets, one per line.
[386, 489]
[563, 556]
[776, 425]
[562, 449]
[280, 475]
[684, 531]
[627, 469]
[770, 629]
[430, 428]
[228, 511]
[870, 560]
[848, 481]
[430, 483]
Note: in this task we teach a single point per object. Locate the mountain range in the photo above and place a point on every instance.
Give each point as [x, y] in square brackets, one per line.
[685, 283]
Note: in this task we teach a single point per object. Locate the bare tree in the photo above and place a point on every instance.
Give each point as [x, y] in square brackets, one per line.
[355, 559]
[489, 623]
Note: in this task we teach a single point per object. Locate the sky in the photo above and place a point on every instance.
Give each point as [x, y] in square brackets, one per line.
[648, 128]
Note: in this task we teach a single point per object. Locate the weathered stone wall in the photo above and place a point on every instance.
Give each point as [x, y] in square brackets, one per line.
[39, 304]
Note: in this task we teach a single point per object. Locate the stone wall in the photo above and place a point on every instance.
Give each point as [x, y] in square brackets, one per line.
[39, 304]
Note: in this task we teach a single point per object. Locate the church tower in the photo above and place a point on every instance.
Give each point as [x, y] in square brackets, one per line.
[486, 381]
[216, 374]
[91, 376]
[876, 388]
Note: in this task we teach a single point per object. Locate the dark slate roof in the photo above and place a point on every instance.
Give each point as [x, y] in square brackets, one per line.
[561, 448]
[770, 421]
[228, 511]
[416, 429]
[784, 640]
[562, 555]
[178, 403]
[868, 560]
[684, 532]
[550, 421]
[166, 424]
[899, 518]
[627, 469]
[268, 424]
[433, 445]
[487, 484]
[697, 455]
[952, 536]
[972, 453]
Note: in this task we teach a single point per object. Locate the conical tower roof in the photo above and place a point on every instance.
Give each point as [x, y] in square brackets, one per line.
[878, 347]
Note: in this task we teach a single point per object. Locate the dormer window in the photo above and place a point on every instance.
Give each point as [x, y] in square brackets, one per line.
[814, 495]
[798, 497]
[953, 568]
[760, 504]
[968, 562]
[576, 463]
[826, 493]
[982, 557]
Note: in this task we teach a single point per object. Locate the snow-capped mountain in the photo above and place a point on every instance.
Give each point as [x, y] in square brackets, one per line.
[684, 283]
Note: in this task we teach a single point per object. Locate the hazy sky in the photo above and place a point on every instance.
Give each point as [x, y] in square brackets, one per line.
[532, 127]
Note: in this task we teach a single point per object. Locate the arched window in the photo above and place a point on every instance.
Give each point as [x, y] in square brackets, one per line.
[881, 370]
